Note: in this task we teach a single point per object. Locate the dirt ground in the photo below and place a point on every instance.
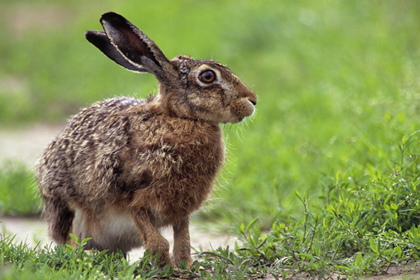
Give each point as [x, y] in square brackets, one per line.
[26, 144]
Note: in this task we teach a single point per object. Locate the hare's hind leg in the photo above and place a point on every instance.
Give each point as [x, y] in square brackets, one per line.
[59, 217]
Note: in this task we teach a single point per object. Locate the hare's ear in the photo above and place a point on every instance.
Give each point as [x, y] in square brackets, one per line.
[102, 42]
[136, 47]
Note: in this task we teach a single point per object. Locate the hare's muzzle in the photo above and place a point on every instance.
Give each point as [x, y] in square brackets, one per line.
[244, 107]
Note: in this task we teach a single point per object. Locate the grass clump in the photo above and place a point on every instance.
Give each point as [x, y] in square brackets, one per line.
[66, 262]
[363, 226]
[18, 194]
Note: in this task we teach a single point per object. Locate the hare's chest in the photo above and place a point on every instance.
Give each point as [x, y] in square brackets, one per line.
[177, 147]
[187, 159]
[184, 177]
[174, 172]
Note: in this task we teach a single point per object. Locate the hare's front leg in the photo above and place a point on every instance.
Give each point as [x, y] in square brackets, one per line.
[152, 239]
[182, 245]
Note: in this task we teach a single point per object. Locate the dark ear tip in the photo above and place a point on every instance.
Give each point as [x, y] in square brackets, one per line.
[89, 34]
[96, 37]
[111, 16]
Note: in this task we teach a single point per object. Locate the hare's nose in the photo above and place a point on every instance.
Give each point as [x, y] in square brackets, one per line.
[253, 100]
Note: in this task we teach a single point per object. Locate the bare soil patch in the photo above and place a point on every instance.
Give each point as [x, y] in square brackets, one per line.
[27, 143]
[404, 272]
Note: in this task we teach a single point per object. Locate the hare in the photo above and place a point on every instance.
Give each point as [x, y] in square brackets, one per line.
[123, 168]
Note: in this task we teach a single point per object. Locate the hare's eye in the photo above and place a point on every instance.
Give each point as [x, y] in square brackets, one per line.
[207, 76]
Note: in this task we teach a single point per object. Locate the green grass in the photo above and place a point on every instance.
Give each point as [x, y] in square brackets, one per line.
[17, 190]
[329, 164]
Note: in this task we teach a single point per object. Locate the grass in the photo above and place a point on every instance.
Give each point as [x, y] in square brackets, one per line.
[17, 190]
[325, 177]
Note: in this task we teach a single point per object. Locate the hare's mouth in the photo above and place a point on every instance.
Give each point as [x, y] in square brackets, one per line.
[240, 109]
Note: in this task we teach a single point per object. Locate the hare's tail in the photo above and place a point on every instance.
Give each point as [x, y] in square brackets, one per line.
[60, 219]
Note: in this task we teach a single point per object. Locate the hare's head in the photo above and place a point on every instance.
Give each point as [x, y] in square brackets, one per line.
[189, 88]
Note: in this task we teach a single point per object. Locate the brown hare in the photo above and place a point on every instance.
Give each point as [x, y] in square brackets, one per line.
[123, 168]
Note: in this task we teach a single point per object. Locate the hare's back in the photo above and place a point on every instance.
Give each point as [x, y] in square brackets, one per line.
[85, 153]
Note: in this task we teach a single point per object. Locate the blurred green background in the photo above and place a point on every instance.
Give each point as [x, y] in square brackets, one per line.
[337, 83]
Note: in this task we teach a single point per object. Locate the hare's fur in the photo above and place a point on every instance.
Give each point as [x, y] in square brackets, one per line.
[122, 168]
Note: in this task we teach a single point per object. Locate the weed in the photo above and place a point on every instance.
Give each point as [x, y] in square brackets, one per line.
[364, 226]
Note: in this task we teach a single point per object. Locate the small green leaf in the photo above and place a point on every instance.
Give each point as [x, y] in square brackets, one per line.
[298, 195]
[251, 224]
[331, 209]
[341, 267]
[305, 257]
[373, 245]
[398, 251]
[359, 259]
[242, 229]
